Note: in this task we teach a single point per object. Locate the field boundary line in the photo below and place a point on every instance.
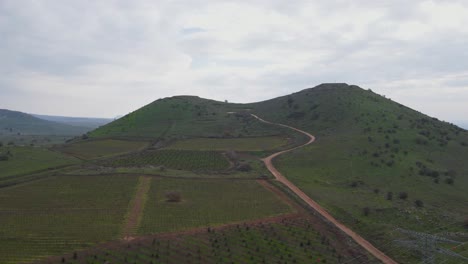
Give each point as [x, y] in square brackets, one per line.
[319, 209]
[135, 212]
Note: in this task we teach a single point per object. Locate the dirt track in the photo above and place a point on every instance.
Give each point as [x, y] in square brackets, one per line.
[136, 210]
[357, 238]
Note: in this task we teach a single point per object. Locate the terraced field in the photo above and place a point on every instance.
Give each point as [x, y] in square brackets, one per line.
[175, 159]
[94, 149]
[59, 214]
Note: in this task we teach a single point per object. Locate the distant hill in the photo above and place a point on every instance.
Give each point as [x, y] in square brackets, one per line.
[18, 123]
[77, 121]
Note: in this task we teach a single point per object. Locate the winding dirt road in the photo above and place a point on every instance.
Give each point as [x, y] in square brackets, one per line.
[319, 209]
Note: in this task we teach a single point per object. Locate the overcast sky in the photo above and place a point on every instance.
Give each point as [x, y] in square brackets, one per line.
[107, 58]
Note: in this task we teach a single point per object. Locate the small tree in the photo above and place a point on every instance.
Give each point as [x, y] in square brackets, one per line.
[403, 195]
[173, 196]
[366, 211]
[389, 196]
[449, 181]
[419, 203]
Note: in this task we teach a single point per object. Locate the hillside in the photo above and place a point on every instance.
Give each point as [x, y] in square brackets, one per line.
[185, 116]
[18, 123]
[376, 165]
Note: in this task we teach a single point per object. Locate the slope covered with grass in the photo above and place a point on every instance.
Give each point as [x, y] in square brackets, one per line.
[185, 116]
[376, 165]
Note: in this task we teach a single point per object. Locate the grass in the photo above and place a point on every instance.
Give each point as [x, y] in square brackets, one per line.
[290, 241]
[236, 144]
[368, 146]
[94, 149]
[175, 159]
[207, 203]
[59, 214]
[185, 116]
[23, 160]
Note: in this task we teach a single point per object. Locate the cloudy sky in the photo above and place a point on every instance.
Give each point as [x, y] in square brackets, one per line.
[106, 58]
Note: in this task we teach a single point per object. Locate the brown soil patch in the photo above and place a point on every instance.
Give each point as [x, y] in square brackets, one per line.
[136, 210]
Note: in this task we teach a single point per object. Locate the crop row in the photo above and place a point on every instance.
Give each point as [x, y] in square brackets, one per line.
[289, 241]
[174, 159]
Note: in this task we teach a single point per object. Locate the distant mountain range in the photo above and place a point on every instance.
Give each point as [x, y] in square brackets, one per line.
[77, 121]
[19, 123]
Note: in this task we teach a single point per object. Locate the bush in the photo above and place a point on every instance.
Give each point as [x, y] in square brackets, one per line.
[366, 211]
[244, 167]
[173, 197]
[3, 157]
[450, 181]
[419, 203]
[389, 196]
[403, 195]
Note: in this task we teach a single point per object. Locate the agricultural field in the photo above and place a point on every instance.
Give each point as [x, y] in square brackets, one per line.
[207, 203]
[94, 149]
[59, 214]
[175, 159]
[236, 144]
[286, 240]
[22, 160]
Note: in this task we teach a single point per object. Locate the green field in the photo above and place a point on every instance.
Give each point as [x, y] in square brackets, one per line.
[207, 203]
[174, 159]
[23, 160]
[237, 144]
[94, 149]
[289, 241]
[59, 214]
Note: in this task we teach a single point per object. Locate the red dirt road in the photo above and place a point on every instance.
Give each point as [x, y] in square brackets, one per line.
[319, 209]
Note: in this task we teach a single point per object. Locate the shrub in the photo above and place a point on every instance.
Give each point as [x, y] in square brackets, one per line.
[173, 196]
[3, 157]
[418, 203]
[244, 167]
[366, 211]
[376, 191]
[403, 195]
[450, 181]
[389, 196]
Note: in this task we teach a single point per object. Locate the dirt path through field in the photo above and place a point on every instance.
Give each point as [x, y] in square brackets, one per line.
[138, 204]
[357, 238]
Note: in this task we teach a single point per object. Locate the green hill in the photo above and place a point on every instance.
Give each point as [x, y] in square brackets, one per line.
[376, 165]
[18, 123]
[185, 116]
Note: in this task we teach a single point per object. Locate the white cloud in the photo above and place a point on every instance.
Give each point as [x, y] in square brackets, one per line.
[105, 58]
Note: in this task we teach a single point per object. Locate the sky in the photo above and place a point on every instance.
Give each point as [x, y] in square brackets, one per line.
[107, 58]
